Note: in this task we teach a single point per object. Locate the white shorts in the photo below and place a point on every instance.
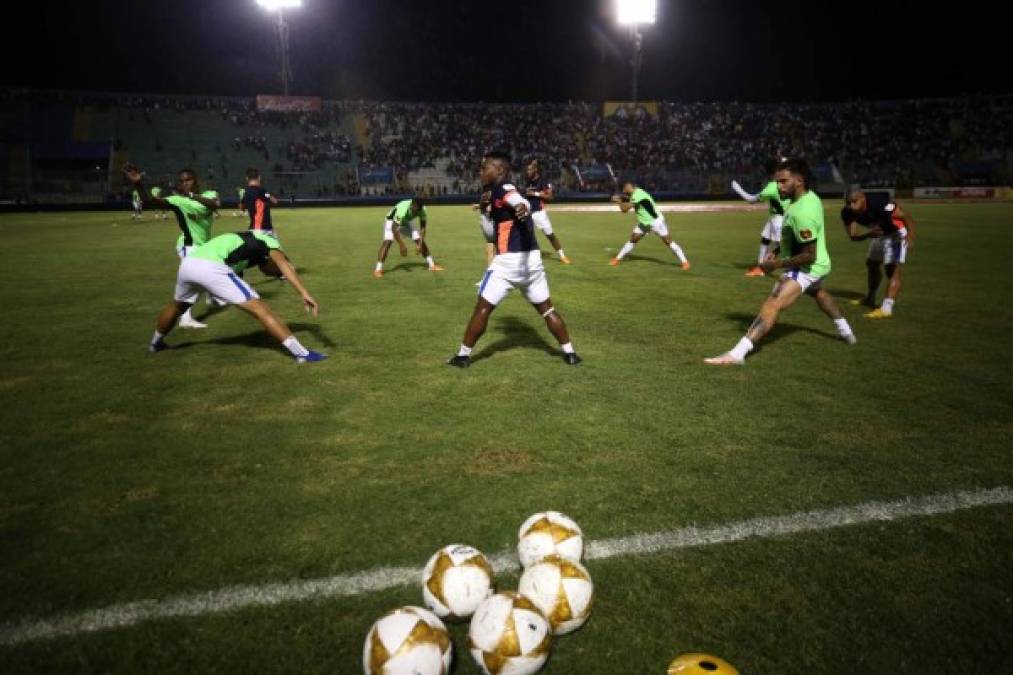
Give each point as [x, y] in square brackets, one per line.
[388, 230]
[508, 271]
[803, 279]
[889, 250]
[196, 275]
[772, 230]
[659, 227]
[541, 220]
[138, 205]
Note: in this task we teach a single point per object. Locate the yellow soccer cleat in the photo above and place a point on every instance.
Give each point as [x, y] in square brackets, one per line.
[563, 259]
[700, 664]
[436, 268]
[377, 274]
[878, 314]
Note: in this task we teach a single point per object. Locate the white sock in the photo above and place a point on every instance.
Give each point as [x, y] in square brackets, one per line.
[842, 326]
[187, 316]
[887, 306]
[430, 261]
[677, 250]
[762, 255]
[561, 254]
[740, 350]
[157, 337]
[567, 348]
[294, 347]
[379, 267]
[627, 247]
[464, 351]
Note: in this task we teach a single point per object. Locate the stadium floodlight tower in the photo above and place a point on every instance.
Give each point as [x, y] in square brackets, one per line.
[636, 13]
[280, 6]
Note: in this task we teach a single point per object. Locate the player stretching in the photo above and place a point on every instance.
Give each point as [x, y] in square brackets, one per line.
[517, 263]
[404, 213]
[213, 267]
[649, 219]
[806, 263]
[537, 192]
[194, 216]
[771, 233]
[892, 232]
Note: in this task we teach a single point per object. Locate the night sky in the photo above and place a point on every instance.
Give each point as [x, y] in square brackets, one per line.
[548, 50]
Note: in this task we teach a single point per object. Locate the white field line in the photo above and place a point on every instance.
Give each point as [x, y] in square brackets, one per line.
[383, 578]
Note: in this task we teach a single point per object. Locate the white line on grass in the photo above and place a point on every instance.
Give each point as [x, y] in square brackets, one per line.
[383, 578]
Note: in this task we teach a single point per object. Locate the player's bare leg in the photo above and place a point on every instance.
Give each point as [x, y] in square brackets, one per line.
[875, 273]
[165, 322]
[557, 327]
[473, 331]
[627, 247]
[756, 270]
[381, 257]
[423, 249]
[785, 293]
[558, 248]
[885, 310]
[677, 250]
[279, 330]
[829, 307]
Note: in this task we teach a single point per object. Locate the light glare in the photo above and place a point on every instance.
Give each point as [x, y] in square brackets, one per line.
[279, 4]
[635, 11]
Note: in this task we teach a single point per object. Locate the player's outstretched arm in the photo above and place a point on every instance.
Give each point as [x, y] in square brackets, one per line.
[751, 198]
[292, 277]
[136, 178]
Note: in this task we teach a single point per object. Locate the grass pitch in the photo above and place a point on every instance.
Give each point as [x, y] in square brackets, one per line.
[127, 476]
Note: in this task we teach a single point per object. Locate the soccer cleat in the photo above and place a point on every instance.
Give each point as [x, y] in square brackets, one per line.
[436, 268]
[190, 322]
[159, 346]
[685, 266]
[725, 359]
[878, 313]
[850, 338]
[311, 357]
[563, 259]
[459, 361]
[378, 274]
[571, 359]
[755, 272]
[614, 262]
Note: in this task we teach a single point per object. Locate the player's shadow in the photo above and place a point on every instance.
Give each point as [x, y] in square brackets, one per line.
[517, 334]
[407, 266]
[650, 260]
[849, 295]
[259, 339]
[780, 330]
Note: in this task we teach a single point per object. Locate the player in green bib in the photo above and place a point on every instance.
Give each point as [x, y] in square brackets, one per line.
[156, 191]
[240, 209]
[137, 203]
[771, 233]
[803, 256]
[214, 267]
[649, 219]
[404, 214]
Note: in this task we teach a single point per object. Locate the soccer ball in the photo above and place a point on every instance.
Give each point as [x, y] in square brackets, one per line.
[455, 581]
[700, 664]
[562, 589]
[509, 636]
[549, 533]
[407, 641]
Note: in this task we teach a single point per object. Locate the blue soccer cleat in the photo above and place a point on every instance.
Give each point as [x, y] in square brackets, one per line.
[311, 357]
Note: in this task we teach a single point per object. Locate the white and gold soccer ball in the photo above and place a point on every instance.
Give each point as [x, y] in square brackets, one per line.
[455, 581]
[407, 641]
[562, 589]
[549, 533]
[509, 636]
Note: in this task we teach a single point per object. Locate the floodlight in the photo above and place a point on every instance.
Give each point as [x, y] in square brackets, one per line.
[631, 12]
[279, 4]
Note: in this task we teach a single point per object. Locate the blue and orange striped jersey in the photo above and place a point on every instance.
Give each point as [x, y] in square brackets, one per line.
[511, 234]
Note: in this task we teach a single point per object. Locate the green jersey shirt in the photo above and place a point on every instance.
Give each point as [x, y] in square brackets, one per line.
[155, 191]
[778, 205]
[238, 250]
[647, 210]
[194, 220]
[136, 195]
[803, 224]
[402, 215]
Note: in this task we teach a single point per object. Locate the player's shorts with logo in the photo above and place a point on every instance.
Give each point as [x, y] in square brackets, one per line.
[772, 229]
[389, 225]
[522, 270]
[659, 227]
[889, 250]
[810, 283]
[541, 220]
[197, 275]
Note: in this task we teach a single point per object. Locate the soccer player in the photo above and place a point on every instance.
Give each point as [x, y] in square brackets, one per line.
[156, 191]
[258, 202]
[892, 232]
[539, 191]
[137, 203]
[194, 216]
[649, 219]
[240, 207]
[771, 233]
[404, 214]
[805, 261]
[517, 263]
[214, 267]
